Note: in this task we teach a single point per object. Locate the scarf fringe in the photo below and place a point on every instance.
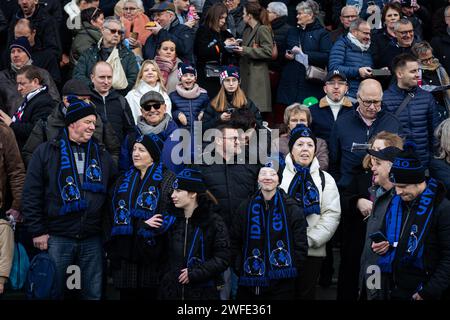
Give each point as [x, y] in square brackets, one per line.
[94, 187]
[73, 207]
[285, 273]
[121, 230]
[254, 282]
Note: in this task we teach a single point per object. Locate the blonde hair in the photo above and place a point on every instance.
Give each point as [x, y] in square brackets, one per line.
[297, 108]
[219, 103]
[390, 140]
[158, 72]
[442, 133]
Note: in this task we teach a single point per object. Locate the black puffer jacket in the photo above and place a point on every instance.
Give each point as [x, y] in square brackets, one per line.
[42, 197]
[230, 184]
[297, 237]
[202, 277]
[114, 109]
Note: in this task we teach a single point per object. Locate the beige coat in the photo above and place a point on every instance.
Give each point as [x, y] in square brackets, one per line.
[6, 250]
[254, 65]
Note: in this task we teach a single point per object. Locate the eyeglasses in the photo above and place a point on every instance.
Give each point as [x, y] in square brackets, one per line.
[333, 83]
[350, 17]
[368, 103]
[115, 31]
[129, 9]
[365, 33]
[404, 33]
[427, 60]
[149, 107]
[235, 139]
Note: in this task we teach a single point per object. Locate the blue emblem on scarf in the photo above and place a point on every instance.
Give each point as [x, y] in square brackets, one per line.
[304, 190]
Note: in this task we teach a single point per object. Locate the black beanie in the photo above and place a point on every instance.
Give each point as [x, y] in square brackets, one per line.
[276, 163]
[190, 180]
[153, 143]
[78, 109]
[407, 168]
[300, 131]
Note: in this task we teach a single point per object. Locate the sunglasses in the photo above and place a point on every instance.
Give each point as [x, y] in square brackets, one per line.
[149, 107]
[114, 31]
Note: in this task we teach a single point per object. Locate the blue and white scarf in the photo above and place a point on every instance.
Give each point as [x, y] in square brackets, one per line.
[304, 190]
[68, 178]
[410, 245]
[267, 250]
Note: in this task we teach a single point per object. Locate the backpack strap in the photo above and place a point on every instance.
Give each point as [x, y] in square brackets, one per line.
[123, 104]
[322, 178]
[404, 103]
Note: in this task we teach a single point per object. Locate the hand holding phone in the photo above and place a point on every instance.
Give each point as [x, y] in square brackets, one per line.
[378, 237]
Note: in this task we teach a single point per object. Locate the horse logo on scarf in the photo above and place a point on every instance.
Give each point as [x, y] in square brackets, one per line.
[122, 215]
[148, 200]
[254, 265]
[311, 195]
[70, 191]
[94, 172]
[280, 257]
[412, 241]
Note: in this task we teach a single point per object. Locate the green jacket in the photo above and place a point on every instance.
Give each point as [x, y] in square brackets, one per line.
[85, 38]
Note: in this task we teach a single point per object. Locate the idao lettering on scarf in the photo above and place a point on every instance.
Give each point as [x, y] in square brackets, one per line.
[267, 250]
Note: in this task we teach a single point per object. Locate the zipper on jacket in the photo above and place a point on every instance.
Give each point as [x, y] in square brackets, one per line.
[184, 252]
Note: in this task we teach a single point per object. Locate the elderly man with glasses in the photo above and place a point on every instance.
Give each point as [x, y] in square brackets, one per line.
[111, 50]
[353, 130]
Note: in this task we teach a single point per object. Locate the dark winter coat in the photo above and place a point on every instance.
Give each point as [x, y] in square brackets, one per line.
[182, 35]
[297, 237]
[280, 30]
[90, 57]
[315, 42]
[441, 49]
[419, 118]
[135, 262]
[114, 109]
[39, 107]
[379, 42]
[43, 58]
[47, 34]
[12, 170]
[323, 119]
[348, 58]
[205, 51]
[230, 184]
[440, 170]
[349, 129]
[204, 277]
[48, 129]
[42, 199]
[191, 108]
[387, 54]
[85, 38]
[12, 98]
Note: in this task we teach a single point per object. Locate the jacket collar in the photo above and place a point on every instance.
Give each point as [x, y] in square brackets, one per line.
[252, 35]
[345, 103]
[290, 164]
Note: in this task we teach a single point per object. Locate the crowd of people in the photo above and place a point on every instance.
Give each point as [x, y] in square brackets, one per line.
[211, 149]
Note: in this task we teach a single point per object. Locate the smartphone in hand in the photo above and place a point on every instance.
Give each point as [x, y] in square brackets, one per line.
[378, 237]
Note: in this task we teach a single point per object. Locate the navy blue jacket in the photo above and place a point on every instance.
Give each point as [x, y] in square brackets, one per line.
[350, 128]
[190, 107]
[126, 150]
[323, 119]
[419, 118]
[180, 34]
[42, 197]
[316, 43]
[348, 58]
[440, 170]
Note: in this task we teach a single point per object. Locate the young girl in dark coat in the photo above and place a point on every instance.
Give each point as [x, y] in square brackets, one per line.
[198, 247]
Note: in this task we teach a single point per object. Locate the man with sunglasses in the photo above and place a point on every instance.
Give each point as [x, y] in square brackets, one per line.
[155, 120]
[357, 127]
[168, 27]
[418, 116]
[112, 33]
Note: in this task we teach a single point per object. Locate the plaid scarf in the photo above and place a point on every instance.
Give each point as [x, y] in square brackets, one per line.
[166, 66]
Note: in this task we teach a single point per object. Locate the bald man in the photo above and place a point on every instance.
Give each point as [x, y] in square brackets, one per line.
[111, 106]
[358, 127]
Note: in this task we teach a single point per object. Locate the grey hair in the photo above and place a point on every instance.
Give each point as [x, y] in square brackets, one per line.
[421, 48]
[350, 7]
[309, 7]
[442, 133]
[355, 24]
[447, 9]
[279, 8]
[296, 108]
[112, 19]
[400, 22]
[137, 2]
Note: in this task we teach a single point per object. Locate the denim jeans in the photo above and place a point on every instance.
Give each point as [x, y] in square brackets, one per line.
[87, 254]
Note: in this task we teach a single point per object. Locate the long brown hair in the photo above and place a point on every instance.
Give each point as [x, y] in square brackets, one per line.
[219, 103]
[213, 15]
[258, 12]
